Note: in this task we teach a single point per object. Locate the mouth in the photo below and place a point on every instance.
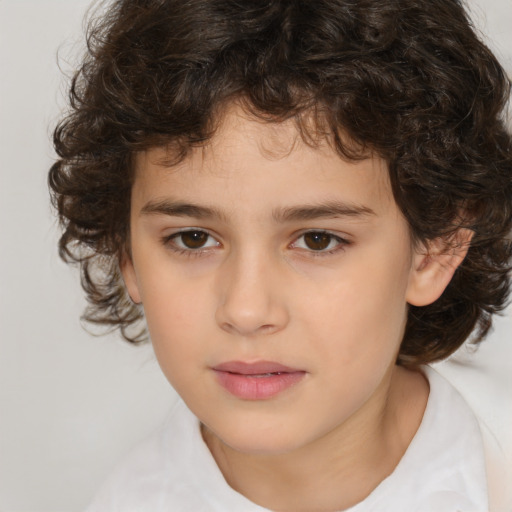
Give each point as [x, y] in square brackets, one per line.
[256, 381]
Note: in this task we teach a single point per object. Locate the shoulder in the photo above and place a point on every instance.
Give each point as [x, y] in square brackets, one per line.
[443, 468]
[449, 448]
[156, 469]
[171, 470]
[488, 392]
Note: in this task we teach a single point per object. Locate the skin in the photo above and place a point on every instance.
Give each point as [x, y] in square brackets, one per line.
[255, 290]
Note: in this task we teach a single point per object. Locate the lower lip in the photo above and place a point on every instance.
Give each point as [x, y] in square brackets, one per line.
[251, 387]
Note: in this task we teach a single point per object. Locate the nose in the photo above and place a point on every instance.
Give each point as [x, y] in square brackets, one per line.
[252, 298]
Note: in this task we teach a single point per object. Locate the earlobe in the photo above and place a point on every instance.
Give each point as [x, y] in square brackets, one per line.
[130, 279]
[433, 267]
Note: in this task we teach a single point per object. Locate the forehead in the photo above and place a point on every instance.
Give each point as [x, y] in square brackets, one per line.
[248, 158]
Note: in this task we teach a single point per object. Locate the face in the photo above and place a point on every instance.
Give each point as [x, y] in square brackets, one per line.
[274, 278]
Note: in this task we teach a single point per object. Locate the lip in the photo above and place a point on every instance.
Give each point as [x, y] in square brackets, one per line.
[260, 380]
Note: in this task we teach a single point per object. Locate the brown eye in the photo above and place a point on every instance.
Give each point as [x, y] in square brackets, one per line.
[193, 239]
[317, 241]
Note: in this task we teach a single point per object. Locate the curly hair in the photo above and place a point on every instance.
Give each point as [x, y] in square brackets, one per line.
[408, 80]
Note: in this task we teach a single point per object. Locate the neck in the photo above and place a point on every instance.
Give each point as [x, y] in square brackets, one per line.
[343, 467]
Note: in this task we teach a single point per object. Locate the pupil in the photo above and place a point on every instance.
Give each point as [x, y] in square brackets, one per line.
[317, 241]
[194, 239]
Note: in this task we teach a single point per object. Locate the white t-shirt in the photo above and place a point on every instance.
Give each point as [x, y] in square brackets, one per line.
[443, 470]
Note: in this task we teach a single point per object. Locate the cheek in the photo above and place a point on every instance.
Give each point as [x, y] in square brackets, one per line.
[176, 313]
[361, 315]
[171, 298]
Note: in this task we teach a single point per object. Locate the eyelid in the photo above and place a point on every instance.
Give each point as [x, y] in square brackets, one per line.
[168, 240]
[342, 242]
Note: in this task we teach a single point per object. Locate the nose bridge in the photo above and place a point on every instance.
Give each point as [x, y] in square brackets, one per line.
[250, 300]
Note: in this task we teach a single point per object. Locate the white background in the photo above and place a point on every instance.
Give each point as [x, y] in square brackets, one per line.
[71, 404]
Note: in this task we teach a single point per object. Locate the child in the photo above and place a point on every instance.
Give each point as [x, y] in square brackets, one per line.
[306, 203]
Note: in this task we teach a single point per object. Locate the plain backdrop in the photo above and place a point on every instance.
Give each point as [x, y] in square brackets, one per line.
[71, 404]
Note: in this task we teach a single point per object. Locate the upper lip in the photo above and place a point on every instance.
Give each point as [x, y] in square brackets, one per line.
[256, 368]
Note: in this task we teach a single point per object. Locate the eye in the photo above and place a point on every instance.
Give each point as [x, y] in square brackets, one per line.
[192, 240]
[319, 241]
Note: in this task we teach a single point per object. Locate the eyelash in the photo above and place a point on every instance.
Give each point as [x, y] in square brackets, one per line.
[168, 241]
[341, 243]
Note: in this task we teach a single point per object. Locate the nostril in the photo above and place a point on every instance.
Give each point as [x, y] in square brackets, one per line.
[225, 326]
[267, 328]
[248, 330]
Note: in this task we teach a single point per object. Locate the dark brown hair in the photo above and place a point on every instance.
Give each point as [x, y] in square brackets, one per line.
[407, 79]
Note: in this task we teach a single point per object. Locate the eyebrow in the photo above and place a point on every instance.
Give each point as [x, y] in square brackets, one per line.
[180, 209]
[332, 209]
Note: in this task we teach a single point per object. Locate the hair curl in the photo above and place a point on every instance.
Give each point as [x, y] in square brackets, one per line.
[407, 79]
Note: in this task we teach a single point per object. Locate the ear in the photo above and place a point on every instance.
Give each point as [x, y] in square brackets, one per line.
[433, 266]
[130, 278]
